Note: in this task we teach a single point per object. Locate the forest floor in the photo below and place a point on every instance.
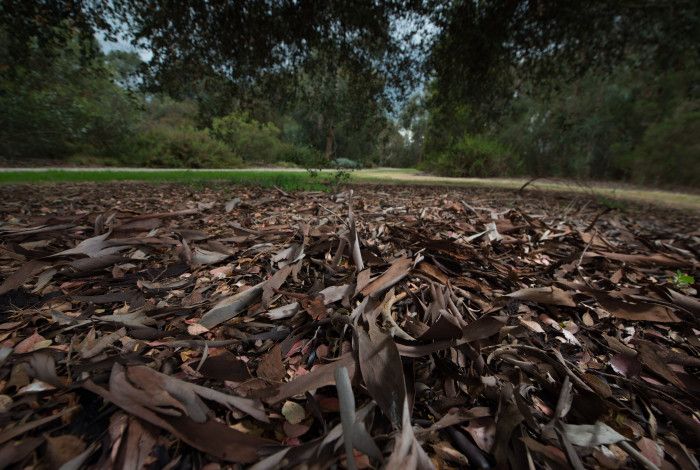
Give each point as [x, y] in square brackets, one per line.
[372, 325]
[294, 179]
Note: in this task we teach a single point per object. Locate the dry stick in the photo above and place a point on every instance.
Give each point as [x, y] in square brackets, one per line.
[8, 434]
[583, 253]
[464, 203]
[334, 214]
[558, 363]
[527, 183]
[685, 423]
[660, 392]
[283, 193]
[386, 315]
[595, 219]
[636, 455]
[163, 215]
[200, 343]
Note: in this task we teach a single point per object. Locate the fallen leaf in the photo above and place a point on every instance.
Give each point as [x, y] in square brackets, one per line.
[544, 295]
[397, 271]
[591, 435]
[293, 412]
[382, 372]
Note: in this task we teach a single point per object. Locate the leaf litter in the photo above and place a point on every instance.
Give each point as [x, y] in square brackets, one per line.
[164, 326]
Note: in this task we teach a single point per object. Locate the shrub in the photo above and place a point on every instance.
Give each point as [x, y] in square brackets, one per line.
[252, 140]
[284, 164]
[258, 142]
[183, 147]
[345, 163]
[474, 155]
[669, 150]
[301, 155]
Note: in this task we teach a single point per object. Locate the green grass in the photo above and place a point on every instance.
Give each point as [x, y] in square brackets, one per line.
[298, 179]
[283, 179]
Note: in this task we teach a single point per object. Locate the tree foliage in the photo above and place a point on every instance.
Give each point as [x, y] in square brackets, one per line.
[593, 89]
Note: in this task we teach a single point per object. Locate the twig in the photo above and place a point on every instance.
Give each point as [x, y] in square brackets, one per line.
[595, 219]
[636, 455]
[283, 193]
[527, 183]
[386, 315]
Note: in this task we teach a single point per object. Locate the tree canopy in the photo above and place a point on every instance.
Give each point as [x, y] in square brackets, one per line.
[343, 78]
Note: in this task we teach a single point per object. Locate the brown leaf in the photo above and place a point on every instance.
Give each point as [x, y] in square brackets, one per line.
[407, 452]
[382, 372]
[625, 365]
[651, 360]
[483, 328]
[432, 272]
[318, 377]
[638, 311]
[363, 278]
[551, 295]
[315, 307]
[656, 259]
[62, 449]
[231, 306]
[691, 304]
[189, 394]
[14, 451]
[32, 343]
[397, 271]
[225, 366]
[22, 275]
[211, 437]
[271, 366]
[273, 284]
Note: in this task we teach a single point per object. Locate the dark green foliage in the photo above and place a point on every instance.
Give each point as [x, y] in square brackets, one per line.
[181, 147]
[474, 155]
[287, 180]
[244, 41]
[669, 152]
[590, 89]
[345, 163]
[259, 143]
[55, 106]
[488, 49]
[631, 125]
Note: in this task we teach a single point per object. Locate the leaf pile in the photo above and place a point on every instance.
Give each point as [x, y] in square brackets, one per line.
[169, 327]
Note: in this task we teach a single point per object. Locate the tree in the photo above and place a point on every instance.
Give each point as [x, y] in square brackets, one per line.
[486, 51]
[244, 40]
[56, 104]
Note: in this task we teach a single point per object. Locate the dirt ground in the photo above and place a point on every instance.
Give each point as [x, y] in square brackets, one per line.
[176, 325]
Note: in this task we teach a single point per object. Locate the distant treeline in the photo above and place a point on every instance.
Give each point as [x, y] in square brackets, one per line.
[59, 107]
[602, 89]
[630, 125]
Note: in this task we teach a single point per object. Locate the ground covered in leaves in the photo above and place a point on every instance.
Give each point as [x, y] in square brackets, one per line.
[172, 326]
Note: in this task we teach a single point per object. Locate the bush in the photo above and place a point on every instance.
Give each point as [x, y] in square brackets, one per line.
[254, 141]
[285, 165]
[59, 106]
[258, 142]
[184, 147]
[669, 150]
[345, 163]
[301, 155]
[473, 155]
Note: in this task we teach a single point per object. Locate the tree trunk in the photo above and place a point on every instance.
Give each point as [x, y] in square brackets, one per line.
[330, 144]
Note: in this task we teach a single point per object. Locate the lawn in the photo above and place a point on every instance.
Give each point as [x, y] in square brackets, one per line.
[289, 180]
[298, 179]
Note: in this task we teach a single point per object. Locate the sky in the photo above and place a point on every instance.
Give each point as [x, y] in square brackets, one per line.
[122, 45]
